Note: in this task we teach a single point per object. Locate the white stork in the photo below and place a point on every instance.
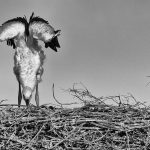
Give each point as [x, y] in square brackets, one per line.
[29, 56]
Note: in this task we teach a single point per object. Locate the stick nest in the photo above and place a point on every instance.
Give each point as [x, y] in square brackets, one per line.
[101, 123]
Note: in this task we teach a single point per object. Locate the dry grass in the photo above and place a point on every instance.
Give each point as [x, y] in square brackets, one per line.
[105, 123]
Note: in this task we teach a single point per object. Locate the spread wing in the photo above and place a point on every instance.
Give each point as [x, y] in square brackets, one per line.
[13, 28]
[41, 30]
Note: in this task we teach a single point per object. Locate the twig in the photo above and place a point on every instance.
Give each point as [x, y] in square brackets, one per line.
[3, 101]
[34, 137]
[69, 135]
[14, 139]
[55, 97]
[128, 145]
[61, 104]
[111, 122]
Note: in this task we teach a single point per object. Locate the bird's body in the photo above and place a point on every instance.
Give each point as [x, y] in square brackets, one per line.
[27, 63]
[29, 56]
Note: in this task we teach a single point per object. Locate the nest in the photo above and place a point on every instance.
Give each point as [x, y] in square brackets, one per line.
[108, 123]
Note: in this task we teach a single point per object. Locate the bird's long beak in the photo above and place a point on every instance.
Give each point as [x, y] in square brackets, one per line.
[27, 102]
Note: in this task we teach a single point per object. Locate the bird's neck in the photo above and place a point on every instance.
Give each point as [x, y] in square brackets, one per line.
[21, 42]
[29, 41]
[33, 44]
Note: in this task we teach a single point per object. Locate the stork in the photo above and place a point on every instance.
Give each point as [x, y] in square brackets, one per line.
[29, 57]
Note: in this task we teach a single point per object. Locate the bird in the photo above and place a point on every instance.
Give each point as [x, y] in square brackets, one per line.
[24, 37]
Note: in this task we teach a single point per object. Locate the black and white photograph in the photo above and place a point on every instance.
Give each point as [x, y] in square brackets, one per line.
[74, 75]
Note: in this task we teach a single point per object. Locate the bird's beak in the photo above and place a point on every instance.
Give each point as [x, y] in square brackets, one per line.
[27, 102]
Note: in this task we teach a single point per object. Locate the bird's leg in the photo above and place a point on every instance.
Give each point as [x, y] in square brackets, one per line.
[37, 96]
[19, 95]
[39, 74]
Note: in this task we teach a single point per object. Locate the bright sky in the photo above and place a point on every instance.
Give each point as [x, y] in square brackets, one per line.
[105, 44]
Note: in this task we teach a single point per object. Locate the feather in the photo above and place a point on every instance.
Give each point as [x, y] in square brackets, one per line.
[53, 44]
[36, 19]
[10, 42]
[22, 20]
[41, 30]
[13, 28]
[18, 19]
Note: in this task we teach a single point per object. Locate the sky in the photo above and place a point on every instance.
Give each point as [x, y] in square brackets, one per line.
[105, 44]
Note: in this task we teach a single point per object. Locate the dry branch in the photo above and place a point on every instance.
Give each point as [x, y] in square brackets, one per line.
[109, 123]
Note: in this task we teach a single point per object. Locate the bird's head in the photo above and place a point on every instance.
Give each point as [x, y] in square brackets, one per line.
[27, 94]
[28, 82]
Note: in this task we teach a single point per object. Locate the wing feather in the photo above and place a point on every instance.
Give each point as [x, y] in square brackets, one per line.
[40, 29]
[11, 28]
